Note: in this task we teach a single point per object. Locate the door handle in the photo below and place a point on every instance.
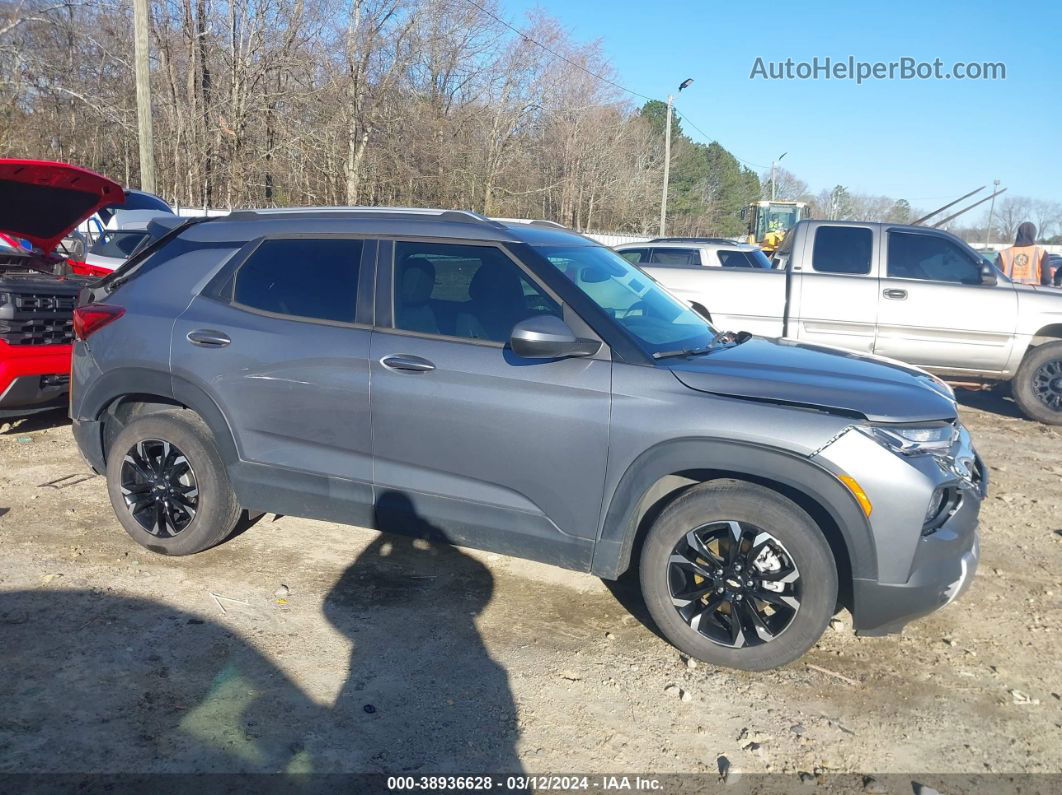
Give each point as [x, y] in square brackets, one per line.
[407, 363]
[207, 338]
[895, 295]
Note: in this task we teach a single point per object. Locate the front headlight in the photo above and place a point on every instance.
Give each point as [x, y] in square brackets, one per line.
[936, 437]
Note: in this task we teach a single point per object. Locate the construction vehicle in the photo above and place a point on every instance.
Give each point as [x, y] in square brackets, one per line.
[768, 221]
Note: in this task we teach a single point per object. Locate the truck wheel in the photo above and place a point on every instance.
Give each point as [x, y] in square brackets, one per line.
[737, 575]
[168, 485]
[1037, 387]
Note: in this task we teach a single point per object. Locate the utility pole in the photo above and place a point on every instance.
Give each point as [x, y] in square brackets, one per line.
[141, 24]
[773, 164]
[991, 210]
[667, 157]
[667, 167]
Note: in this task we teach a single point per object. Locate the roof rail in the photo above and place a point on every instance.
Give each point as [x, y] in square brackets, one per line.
[452, 216]
[721, 240]
[531, 222]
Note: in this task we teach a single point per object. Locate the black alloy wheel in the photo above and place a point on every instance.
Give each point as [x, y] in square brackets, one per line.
[734, 583]
[159, 487]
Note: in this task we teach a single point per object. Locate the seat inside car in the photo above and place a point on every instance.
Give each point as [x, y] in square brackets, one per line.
[497, 304]
[416, 281]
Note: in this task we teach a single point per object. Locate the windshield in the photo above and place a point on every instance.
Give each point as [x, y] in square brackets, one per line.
[656, 320]
[118, 244]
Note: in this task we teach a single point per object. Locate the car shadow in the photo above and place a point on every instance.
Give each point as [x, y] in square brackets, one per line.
[995, 401]
[45, 420]
[96, 682]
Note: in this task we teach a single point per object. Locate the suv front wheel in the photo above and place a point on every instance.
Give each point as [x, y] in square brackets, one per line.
[168, 485]
[738, 575]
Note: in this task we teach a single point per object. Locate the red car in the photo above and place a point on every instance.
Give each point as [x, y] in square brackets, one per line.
[41, 202]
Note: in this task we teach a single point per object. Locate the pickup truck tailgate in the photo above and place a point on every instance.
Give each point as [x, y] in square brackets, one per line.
[739, 299]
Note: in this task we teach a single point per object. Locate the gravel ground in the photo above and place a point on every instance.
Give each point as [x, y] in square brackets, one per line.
[307, 646]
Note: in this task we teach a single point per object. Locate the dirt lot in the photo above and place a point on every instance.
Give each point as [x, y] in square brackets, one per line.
[301, 645]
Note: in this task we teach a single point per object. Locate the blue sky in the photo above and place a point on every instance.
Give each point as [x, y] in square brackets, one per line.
[927, 141]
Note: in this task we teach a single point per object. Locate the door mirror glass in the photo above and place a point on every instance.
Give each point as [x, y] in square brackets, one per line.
[548, 337]
[988, 275]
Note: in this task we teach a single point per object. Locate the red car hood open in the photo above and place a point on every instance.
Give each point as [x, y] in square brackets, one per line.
[42, 202]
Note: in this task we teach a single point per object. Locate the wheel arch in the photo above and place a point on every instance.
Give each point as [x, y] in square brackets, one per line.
[120, 395]
[663, 472]
[1049, 333]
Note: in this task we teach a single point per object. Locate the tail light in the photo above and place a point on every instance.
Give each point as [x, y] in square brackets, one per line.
[91, 318]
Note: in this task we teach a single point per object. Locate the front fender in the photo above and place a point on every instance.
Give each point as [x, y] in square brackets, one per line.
[724, 458]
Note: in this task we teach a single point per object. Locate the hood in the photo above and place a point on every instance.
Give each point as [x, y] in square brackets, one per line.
[1026, 235]
[43, 202]
[796, 374]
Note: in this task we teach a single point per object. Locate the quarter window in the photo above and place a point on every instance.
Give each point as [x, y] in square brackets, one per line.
[635, 255]
[472, 292]
[304, 278]
[929, 257]
[842, 249]
[730, 258]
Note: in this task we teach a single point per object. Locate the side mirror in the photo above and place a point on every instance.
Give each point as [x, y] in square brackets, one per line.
[548, 337]
[988, 275]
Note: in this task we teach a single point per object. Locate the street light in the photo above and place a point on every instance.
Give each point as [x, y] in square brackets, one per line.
[775, 162]
[991, 209]
[667, 156]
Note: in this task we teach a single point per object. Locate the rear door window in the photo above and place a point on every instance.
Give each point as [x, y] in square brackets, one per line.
[676, 257]
[312, 279]
[842, 249]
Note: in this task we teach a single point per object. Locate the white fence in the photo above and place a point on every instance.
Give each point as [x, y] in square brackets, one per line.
[607, 239]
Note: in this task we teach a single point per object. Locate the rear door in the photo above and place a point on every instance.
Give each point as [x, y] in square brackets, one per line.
[834, 289]
[470, 440]
[277, 343]
[933, 309]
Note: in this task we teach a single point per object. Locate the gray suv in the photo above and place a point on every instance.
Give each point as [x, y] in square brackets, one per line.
[517, 387]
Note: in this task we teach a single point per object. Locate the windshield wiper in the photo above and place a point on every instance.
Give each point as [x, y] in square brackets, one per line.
[683, 352]
[722, 339]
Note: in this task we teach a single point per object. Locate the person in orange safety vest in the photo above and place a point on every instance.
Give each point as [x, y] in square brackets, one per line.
[1025, 262]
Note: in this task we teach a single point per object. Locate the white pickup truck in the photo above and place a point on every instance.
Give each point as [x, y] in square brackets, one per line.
[910, 293]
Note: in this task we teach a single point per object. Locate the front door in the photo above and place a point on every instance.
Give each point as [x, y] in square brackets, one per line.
[469, 440]
[934, 311]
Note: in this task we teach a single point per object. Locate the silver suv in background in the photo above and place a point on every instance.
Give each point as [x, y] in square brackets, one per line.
[519, 388]
[694, 252]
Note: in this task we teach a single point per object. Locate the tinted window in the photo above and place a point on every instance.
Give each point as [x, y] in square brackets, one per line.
[651, 316]
[473, 292]
[842, 249]
[914, 256]
[743, 259]
[635, 255]
[676, 256]
[118, 244]
[316, 279]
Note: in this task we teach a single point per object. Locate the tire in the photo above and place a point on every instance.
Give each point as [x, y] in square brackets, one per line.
[203, 508]
[805, 571]
[1037, 386]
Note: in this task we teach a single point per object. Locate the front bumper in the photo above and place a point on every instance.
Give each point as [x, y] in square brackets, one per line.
[946, 572]
[920, 566]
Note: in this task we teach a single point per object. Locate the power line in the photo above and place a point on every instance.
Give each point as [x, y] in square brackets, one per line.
[556, 54]
[602, 78]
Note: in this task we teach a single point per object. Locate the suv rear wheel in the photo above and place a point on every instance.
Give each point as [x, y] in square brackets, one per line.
[168, 485]
[1037, 386]
[737, 575]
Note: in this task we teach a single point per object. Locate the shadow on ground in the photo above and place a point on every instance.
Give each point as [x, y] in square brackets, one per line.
[997, 401]
[96, 682]
[46, 420]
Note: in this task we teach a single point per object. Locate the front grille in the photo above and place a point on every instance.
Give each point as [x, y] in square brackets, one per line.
[37, 318]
